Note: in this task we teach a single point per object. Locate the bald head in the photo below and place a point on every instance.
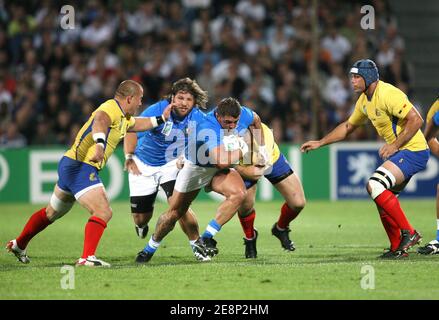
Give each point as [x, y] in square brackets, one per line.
[129, 96]
[128, 88]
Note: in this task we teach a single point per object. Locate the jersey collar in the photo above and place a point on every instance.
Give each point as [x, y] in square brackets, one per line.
[119, 107]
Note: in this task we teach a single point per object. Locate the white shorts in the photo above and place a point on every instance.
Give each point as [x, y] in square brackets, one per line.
[193, 177]
[151, 178]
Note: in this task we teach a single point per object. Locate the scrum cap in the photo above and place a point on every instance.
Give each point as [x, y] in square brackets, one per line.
[367, 69]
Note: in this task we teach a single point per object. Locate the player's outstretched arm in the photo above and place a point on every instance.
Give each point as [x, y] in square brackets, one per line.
[338, 134]
[148, 123]
[101, 123]
[413, 123]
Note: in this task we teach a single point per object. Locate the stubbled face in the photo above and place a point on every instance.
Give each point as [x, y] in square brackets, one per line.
[358, 83]
[184, 103]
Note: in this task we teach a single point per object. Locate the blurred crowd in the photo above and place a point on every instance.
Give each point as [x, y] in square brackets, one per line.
[259, 51]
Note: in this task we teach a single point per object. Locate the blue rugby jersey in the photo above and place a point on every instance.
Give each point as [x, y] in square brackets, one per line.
[209, 133]
[154, 147]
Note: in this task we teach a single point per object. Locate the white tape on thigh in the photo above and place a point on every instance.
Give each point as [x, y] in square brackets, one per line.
[61, 207]
[387, 173]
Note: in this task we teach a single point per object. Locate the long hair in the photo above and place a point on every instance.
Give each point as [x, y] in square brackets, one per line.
[192, 87]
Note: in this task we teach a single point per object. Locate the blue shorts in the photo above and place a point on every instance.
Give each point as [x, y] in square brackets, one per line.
[77, 177]
[279, 171]
[410, 162]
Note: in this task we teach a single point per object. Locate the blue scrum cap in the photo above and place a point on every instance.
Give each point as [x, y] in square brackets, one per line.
[367, 69]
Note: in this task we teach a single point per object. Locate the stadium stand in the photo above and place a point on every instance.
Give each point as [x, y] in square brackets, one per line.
[51, 79]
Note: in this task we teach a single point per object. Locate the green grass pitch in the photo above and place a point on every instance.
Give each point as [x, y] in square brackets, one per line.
[335, 241]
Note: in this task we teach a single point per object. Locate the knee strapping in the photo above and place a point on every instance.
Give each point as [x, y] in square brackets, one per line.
[143, 204]
[382, 179]
[61, 207]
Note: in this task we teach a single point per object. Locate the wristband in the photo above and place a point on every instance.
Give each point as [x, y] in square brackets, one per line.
[156, 121]
[129, 156]
[99, 138]
[160, 120]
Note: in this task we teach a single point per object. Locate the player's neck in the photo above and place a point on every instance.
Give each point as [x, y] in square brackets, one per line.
[370, 91]
[121, 104]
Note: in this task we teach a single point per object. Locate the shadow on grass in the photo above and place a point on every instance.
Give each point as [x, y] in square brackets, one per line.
[283, 259]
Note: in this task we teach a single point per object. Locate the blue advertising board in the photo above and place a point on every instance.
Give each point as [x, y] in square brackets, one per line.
[353, 163]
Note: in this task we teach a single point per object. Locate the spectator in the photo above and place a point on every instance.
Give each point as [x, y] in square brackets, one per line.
[44, 134]
[259, 51]
[337, 45]
[336, 91]
[145, 19]
[386, 55]
[12, 138]
[97, 33]
[251, 9]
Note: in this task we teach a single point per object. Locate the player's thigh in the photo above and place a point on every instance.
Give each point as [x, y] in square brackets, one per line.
[396, 172]
[228, 182]
[63, 195]
[143, 193]
[60, 203]
[96, 202]
[141, 185]
[292, 191]
[193, 177]
[406, 163]
[168, 177]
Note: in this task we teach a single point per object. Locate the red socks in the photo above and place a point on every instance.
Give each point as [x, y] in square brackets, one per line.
[392, 229]
[390, 204]
[247, 225]
[36, 223]
[286, 216]
[93, 233]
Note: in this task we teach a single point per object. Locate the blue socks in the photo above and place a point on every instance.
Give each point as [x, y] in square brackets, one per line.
[152, 246]
[212, 229]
